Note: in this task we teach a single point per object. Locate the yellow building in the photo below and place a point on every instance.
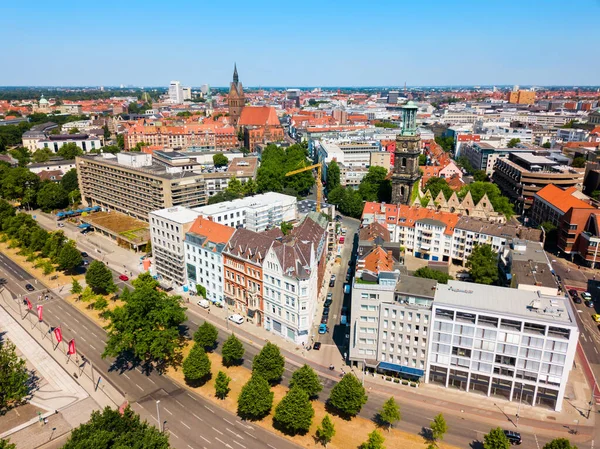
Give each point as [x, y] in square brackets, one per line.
[522, 97]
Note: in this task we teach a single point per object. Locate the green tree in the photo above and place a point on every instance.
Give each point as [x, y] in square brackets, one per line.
[249, 187]
[422, 159]
[578, 162]
[52, 196]
[222, 197]
[375, 441]
[496, 439]
[348, 396]
[547, 145]
[333, 175]
[112, 149]
[430, 273]
[76, 287]
[20, 184]
[99, 278]
[326, 431]
[13, 377]
[69, 151]
[436, 185]
[42, 155]
[483, 264]
[374, 186]
[234, 186]
[513, 142]
[595, 195]
[113, 429]
[269, 363]
[438, 428]
[6, 444]
[286, 227]
[232, 351]
[22, 155]
[138, 148]
[499, 202]
[220, 160]
[121, 141]
[222, 385]
[206, 336]
[54, 243]
[147, 325]
[196, 366]
[447, 143]
[480, 175]
[389, 413]
[201, 290]
[74, 130]
[306, 378]
[69, 257]
[106, 132]
[559, 443]
[294, 414]
[256, 399]
[69, 181]
[551, 234]
[465, 164]
[348, 201]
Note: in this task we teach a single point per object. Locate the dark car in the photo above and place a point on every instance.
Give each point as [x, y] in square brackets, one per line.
[317, 346]
[84, 254]
[324, 319]
[589, 303]
[575, 296]
[328, 302]
[332, 283]
[513, 437]
[325, 311]
[344, 310]
[29, 287]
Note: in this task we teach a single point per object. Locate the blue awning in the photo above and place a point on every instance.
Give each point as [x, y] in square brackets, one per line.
[401, 369]
[84, 225]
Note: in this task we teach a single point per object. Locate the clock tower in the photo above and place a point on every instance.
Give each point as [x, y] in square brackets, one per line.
[406, 157]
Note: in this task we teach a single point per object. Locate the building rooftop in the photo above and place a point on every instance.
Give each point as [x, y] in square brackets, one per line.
[412, 285]
[178, 214]
[243, 166]
[268, 198]
[508, 302]
[563, 199]
[154, 169]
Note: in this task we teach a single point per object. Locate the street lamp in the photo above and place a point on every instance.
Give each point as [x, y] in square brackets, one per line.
[158, 413]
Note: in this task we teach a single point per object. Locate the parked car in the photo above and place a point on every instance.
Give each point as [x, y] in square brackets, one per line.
[596, 318]
[325, 311]
[330, 296]
[324, 319]
[317, 346]
[29, 287]
[344, 320]
[322, 328]
[203, 303]
[61, 225]
[84, 254]
[344, 310]
[589, 304]
[124, 277]
[237, 319]
[575, 296]
[513, 437]
[328, 302]
[86, 262]
[586, 296]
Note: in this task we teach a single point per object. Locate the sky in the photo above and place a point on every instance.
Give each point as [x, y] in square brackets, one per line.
[294, 44]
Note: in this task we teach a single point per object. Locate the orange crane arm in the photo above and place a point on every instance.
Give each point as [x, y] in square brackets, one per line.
[318, 181]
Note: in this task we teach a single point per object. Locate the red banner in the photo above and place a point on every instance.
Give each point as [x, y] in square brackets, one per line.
[58, 334]
[71, 350]
[29, 305]
[40, 310]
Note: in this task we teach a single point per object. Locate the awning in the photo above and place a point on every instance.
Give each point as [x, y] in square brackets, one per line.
[84, 226]
[369, 363]
[401, 369]
[425, 247]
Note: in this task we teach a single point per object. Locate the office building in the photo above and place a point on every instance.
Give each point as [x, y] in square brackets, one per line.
[551, 203]
[175, 92]
[255, 213]
[516, 345]
[55, 142]
[132, 183]
[204, 245]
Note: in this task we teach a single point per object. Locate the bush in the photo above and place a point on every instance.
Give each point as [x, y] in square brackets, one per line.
[222, 385]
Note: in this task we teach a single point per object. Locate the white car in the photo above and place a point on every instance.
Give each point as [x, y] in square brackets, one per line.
[204, 303]
[237, 319]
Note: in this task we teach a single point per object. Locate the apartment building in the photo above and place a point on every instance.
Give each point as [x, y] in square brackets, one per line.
[390, 322]
[256, 213]
[521, 175]
[55, 142]
[518, 346]
[351, 154]
[483, 156]
[168, 228]
[204, 245]
[133, 184]
[190, 136]
[551, 203]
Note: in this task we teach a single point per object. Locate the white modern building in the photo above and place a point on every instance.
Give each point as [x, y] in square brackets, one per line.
[255, 213]
[175, 92]
[54, 142]
[512, 344]
[204, 244]
[168, 228]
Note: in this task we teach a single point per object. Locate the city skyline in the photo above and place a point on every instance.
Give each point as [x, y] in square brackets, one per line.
[433, 44]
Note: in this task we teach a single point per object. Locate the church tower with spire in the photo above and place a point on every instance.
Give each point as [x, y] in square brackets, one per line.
[236, 99]
[406, 157]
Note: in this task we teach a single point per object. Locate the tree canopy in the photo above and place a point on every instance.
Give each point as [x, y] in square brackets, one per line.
[374, 441]
[348, 395]
[69, 151]
[111, 429]
[578, 162]
[447, 143]
[13, 377]
[276, 162]
[99, 278]
[69, 257]
[559, 443]
[389, 413]
[435, 185]
[496, 439]
[333, 175]
[307, 379]
[348, 201]
[222, 385]
[147, 325]
[206, 336]
[326, 431]
[256, 399]
[374, 186]
[232, 351]
[41, 155]
[52, 196]
[294, 413]
[69, 181]
[196, 366]
[220, 160]
[483, 264]
[513, 142]
[430, 273]
[269, 363]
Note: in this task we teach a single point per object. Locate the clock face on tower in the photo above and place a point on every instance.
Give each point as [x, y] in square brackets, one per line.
[404, 145]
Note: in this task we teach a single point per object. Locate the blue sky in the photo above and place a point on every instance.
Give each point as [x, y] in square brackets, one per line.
[308, 43]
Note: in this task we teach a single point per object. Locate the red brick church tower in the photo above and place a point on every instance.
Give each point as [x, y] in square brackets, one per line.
[236, 99]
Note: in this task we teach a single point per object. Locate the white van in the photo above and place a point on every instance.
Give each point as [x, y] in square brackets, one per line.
[204, 303]
[237, 319]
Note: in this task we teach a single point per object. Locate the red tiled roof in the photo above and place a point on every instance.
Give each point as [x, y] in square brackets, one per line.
[377, 260]
[562, 199]
[216, 232]
[259, 116]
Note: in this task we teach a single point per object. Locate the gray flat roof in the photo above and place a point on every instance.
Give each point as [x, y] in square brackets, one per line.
[412, 285]
[505, 301]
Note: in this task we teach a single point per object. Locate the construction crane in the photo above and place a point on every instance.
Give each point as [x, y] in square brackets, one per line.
[317, 181]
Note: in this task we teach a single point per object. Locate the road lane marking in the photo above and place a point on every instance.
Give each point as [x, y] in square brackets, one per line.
[197, 417]
[168, 411]
[186, 425]
[151, 381]
[92, 347]
[208, 408]
[208, 441]
[83, 338]
[179, 403]
[273, 447]
[190, 447]
[239, 444]
[223, 442]
[76, 319]
[595, 350]
[243, 424]
[226, 420]
[59, 306]
[249, 434]
[192, 397]
[171, 432]
[139, 387]
[126, 376]
[217, 430]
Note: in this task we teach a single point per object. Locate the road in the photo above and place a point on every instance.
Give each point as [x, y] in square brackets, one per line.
[183, 413]
[183, 409]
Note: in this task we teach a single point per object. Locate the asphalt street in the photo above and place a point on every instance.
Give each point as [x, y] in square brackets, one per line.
[192, 421]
